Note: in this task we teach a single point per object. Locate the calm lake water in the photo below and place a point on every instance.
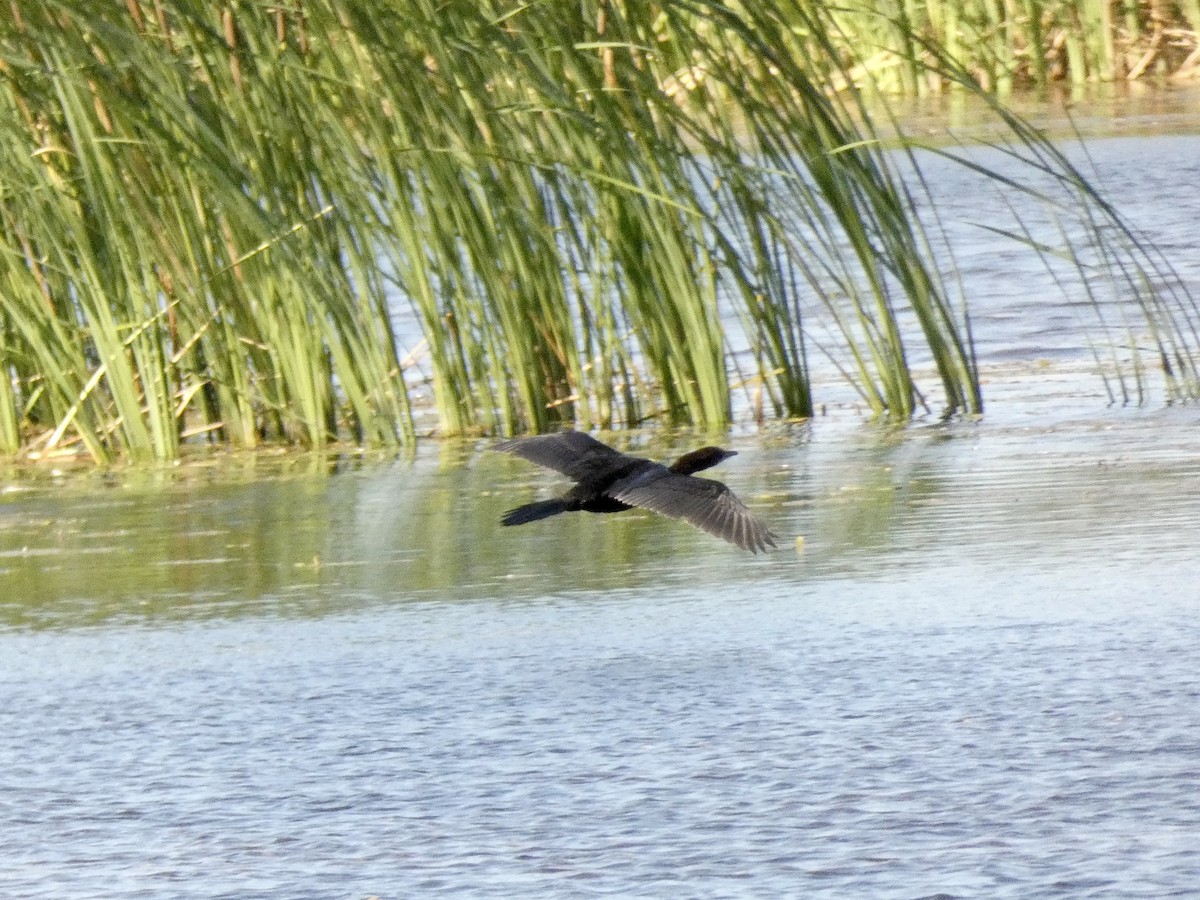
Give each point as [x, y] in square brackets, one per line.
[282, 677]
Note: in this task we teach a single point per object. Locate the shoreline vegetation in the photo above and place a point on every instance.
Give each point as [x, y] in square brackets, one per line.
[247, 224]
[1030, 45]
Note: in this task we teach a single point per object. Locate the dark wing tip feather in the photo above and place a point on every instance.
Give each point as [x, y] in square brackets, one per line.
[708, 505]
[570, 453]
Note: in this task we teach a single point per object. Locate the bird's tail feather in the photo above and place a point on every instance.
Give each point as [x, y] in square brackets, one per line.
[531, 512]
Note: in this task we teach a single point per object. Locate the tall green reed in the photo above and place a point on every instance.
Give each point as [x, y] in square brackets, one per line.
[215, 216]
[1009, 45]
[163, 172]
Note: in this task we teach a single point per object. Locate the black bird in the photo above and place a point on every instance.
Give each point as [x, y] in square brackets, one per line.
[607, 480]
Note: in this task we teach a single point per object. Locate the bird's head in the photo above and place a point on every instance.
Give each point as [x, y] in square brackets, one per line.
[698, 460]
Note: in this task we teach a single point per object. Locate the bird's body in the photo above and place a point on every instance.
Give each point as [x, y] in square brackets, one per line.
[607, 480]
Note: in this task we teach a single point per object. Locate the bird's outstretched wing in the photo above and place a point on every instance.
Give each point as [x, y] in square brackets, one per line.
[707, 504]
[571, 453]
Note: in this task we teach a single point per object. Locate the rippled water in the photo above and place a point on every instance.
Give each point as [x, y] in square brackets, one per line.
[977, 677]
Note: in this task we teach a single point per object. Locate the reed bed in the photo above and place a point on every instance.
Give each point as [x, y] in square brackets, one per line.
[215, 214]
[1018, 44]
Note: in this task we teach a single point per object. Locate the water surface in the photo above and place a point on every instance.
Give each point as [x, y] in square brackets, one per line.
[978, 678]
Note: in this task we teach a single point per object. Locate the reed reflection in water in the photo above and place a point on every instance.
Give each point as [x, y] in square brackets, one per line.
[978, 677]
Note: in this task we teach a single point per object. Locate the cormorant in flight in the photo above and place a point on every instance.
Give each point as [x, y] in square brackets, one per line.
[607, 480]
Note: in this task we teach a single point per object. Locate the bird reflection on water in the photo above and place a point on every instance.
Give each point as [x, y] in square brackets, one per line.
[607, 480]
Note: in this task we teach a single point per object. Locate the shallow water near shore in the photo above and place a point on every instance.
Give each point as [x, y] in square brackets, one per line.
[974, 674]
[978, 676]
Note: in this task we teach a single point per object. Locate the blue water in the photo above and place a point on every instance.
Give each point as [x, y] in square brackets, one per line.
[762, 743]
[978, 678]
